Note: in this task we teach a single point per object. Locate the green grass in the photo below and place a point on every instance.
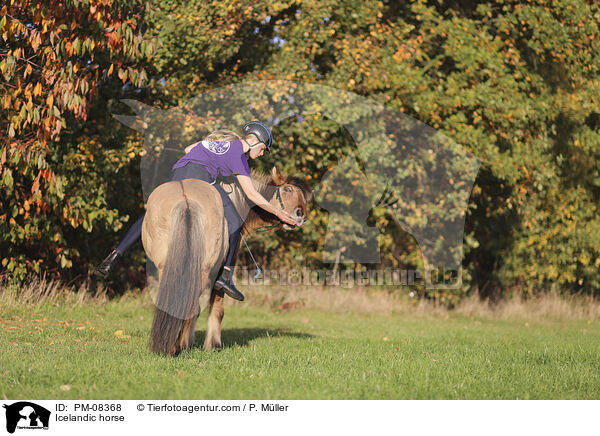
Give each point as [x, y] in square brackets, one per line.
[53, 350]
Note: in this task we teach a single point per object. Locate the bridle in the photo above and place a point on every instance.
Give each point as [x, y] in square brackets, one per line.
[265, 229]
[279, 197]
[272, 226]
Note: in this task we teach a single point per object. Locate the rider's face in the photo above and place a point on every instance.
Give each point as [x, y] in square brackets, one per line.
[257, 148]
[258, 151]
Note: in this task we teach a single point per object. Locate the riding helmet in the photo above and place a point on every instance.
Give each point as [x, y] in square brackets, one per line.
[262, 132]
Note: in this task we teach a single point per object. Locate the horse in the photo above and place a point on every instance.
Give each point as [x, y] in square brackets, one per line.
[184, 233]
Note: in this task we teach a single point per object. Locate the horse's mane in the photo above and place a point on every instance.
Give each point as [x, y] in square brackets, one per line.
[265, 185]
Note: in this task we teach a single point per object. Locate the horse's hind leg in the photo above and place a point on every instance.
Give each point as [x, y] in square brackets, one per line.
[187, 333]
[192, 332]
[215, 317]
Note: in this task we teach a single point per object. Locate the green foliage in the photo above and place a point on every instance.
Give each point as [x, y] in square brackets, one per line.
[515, 83]
[59, 70]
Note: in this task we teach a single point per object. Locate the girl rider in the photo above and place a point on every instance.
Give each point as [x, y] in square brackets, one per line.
[221, 153]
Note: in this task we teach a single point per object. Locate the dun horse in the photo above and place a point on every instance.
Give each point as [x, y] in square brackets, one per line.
[185, 234]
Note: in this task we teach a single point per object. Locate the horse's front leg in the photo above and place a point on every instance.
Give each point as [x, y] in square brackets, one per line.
[215, 317]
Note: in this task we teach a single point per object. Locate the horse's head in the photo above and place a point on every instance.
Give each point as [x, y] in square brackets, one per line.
[292, 195]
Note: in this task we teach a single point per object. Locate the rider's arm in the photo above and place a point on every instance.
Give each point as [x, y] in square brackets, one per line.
[256, 197]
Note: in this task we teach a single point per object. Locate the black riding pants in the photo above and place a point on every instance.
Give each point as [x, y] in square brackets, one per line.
[195, 171]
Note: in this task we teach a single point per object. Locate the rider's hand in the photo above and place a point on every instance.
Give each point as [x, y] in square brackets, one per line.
[285, 217]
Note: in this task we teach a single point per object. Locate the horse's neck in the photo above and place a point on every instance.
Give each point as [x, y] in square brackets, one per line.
[251, 219]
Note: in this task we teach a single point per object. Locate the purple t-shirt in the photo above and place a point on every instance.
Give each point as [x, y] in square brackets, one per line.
[219, 157]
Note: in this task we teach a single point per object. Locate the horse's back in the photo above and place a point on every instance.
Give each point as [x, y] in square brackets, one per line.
[169, 193]
[166, 196]
[157, 222]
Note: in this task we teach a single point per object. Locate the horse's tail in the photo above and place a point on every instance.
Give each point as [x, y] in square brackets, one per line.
[180, 284]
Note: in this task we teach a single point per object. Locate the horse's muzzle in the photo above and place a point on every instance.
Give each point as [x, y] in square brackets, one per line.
[299, 223]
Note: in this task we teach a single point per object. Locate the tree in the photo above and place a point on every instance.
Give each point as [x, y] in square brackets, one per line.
[57, 57]
[516, 84]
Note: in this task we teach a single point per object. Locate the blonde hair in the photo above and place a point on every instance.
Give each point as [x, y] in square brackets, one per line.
[223, 135]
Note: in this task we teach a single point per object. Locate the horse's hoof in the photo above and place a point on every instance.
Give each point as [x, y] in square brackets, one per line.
[215, 347]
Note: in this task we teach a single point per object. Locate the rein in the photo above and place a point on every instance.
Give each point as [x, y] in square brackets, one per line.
[262, 230]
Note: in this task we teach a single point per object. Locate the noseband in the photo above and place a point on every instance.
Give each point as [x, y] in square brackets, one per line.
[272, 226]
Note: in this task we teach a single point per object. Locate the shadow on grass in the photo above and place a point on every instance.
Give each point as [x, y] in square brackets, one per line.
[242, 337]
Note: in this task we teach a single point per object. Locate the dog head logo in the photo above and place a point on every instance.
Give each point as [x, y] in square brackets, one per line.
[26, 415]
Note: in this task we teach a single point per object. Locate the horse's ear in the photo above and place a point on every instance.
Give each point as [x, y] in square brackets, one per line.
[309, 195]
[277, 177]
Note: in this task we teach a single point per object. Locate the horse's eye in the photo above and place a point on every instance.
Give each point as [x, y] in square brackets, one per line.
[287, 189]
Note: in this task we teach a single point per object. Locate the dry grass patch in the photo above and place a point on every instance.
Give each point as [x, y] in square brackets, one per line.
[334, 299]
[38, 290]
[550, 306]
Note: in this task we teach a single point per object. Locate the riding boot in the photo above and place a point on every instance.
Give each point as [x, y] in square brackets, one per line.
[104, 269]
[225, 283]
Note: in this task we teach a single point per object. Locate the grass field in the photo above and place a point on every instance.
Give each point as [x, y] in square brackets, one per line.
[76, 347]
